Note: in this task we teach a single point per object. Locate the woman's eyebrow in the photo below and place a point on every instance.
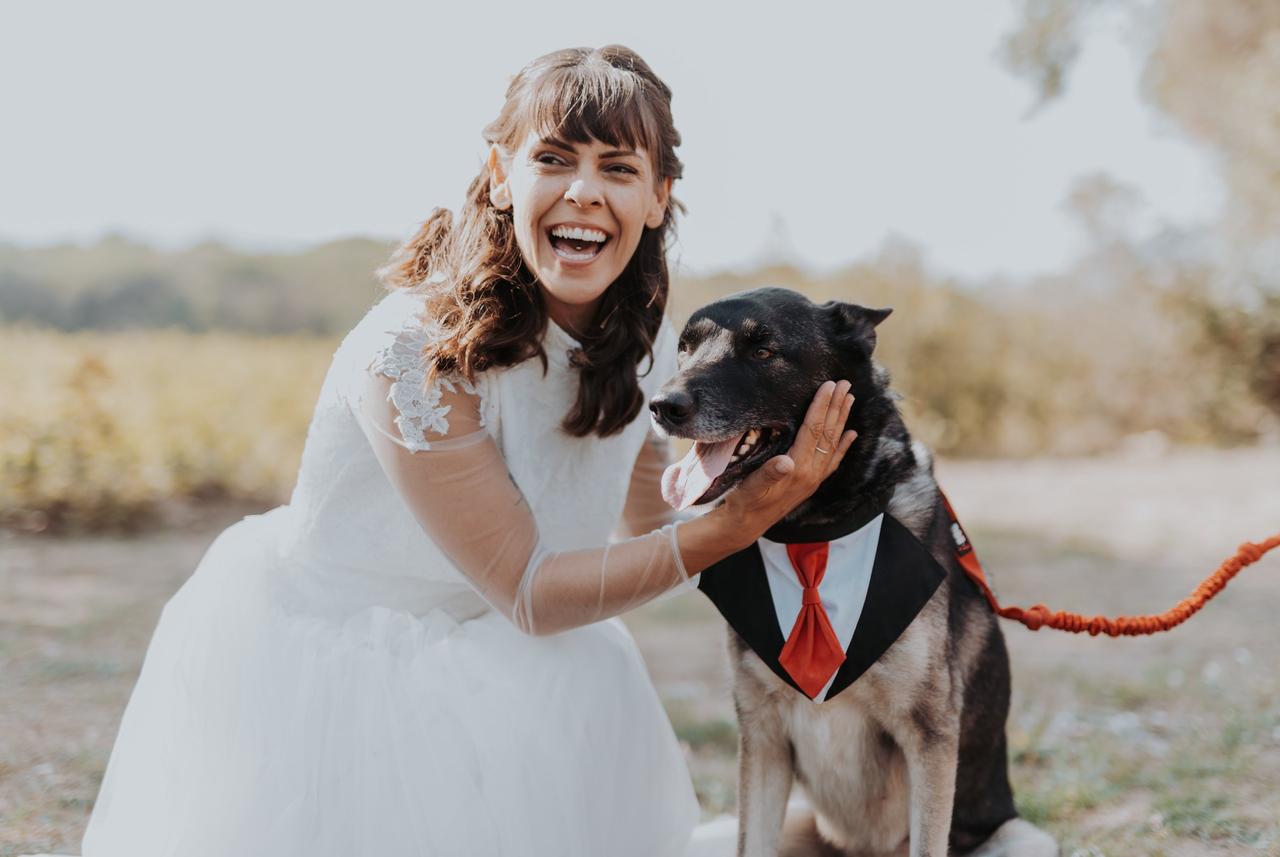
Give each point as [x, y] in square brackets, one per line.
[556, 143]
[566, 145]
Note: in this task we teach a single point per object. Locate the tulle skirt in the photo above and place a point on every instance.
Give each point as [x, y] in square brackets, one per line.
[256, 729]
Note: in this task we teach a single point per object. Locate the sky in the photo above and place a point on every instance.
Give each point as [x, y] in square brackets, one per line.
[813, 133]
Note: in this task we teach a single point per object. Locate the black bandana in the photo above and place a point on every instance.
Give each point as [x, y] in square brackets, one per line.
[880, 578]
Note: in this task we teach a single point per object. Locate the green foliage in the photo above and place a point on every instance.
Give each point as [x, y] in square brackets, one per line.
[117, 284]
[100, 428]
[1049, 367]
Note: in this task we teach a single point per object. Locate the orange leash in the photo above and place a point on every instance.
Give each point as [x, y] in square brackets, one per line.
[1040, 616]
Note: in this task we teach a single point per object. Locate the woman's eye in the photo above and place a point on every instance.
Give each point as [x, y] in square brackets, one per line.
[762, 354]
[548, 158]
[623, 168]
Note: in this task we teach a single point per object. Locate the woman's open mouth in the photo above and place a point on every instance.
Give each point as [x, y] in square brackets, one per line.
[577, 244]
[713, 467]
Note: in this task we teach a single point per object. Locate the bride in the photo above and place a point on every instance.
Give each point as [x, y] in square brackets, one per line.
[409, 658]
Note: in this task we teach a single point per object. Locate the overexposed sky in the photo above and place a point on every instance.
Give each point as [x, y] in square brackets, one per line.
[811, 129]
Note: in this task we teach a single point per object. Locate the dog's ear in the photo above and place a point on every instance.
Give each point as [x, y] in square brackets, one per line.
[854, 326]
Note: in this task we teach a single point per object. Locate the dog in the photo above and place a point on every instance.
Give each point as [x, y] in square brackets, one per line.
[911, 757]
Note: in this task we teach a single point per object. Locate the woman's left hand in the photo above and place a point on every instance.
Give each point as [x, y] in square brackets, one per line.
[785, 481]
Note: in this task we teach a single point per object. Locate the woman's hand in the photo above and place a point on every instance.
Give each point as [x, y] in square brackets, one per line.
[785, 481]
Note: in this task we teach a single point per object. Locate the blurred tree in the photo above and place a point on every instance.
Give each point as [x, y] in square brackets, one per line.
[116, 283]
[1105, 208]
[1046, 44]
[22, 299]
[1213, 66]
[1216, 69]
[137, 302]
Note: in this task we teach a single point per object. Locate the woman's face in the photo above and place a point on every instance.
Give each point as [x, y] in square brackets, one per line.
[579, 210]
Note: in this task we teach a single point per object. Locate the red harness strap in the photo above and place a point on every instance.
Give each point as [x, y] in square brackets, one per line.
[1040, 616]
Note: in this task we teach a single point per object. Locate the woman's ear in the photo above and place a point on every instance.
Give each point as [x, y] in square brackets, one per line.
[658, 212]
[499, 190]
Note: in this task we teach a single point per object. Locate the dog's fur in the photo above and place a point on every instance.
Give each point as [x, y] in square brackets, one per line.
[911, 758]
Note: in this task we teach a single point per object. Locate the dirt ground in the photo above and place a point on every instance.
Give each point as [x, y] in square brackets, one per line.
[1158, 746]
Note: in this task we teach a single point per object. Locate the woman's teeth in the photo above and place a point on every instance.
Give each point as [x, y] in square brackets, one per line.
[576, 244]
[577, 233]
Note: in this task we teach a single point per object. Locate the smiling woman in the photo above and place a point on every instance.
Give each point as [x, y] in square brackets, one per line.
[579, 211]
[412, 656]
[584, 140]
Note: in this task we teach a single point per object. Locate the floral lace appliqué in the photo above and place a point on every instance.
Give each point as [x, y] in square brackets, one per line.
[418, 407]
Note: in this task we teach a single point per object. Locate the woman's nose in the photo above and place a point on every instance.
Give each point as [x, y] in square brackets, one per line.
[583, 192]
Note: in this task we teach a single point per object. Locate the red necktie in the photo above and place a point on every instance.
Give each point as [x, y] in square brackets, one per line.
[812, 653]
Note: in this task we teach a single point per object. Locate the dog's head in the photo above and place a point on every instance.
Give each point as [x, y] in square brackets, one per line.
[749, 366]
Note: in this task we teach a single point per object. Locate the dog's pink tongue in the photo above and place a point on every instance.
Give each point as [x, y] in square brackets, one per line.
[690, 477]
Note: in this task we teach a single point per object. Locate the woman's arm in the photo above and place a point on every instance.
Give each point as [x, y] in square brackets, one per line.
[459, 489]
[645, 510]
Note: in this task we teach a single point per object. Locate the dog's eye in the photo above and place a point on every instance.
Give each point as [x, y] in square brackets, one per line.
[762, 354]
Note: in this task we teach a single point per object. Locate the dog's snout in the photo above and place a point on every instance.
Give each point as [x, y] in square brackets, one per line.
[673, 407]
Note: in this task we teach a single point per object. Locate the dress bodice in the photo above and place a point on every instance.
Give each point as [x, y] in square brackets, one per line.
[354, 541]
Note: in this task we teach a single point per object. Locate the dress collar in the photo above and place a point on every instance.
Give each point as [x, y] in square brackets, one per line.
[560, 336]
[559, 344]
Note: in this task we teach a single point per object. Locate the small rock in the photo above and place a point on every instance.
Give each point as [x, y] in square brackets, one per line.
[1123, 722]
[1211, 673]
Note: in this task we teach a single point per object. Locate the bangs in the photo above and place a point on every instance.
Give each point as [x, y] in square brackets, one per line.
[579, 103]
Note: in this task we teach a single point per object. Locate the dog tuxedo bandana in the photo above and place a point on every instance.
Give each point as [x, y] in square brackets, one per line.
[820, 605]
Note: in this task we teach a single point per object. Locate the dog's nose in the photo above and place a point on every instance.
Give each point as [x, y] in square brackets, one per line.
[674, 407]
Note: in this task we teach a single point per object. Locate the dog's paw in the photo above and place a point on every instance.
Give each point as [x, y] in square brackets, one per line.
[1017, 837]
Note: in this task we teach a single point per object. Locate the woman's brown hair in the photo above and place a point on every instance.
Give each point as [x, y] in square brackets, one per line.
[479, 291]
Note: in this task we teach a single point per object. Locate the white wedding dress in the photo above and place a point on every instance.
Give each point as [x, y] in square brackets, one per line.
[328, 683]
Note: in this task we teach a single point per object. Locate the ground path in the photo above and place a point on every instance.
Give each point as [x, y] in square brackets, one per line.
[1162, 746]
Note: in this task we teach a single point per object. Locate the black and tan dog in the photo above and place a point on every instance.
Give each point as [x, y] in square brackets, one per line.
[905, 751]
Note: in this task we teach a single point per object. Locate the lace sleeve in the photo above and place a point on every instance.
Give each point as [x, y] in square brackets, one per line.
[451, 475]
[464, 498]
[416, 409]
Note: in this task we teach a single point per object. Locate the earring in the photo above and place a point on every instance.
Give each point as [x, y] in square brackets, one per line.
[500, 196]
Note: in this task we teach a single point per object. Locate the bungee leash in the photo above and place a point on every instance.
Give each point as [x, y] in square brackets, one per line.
[1039, 616]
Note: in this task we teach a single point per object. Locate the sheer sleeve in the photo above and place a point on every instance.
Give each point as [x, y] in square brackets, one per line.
[645, 509]
[452, 476]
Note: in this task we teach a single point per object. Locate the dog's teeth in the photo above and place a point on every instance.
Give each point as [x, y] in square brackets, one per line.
[752, 435]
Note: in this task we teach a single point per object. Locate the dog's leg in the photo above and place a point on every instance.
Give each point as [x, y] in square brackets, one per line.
[765, 772]
[932, 755]
[1017, 838]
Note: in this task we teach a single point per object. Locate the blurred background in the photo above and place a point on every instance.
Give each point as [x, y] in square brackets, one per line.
[1073, 207]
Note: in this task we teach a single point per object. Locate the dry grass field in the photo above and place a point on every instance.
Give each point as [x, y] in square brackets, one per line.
[101, 431]
[1161, 746]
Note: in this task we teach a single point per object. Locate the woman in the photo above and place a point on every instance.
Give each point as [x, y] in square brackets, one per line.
[408, 658]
